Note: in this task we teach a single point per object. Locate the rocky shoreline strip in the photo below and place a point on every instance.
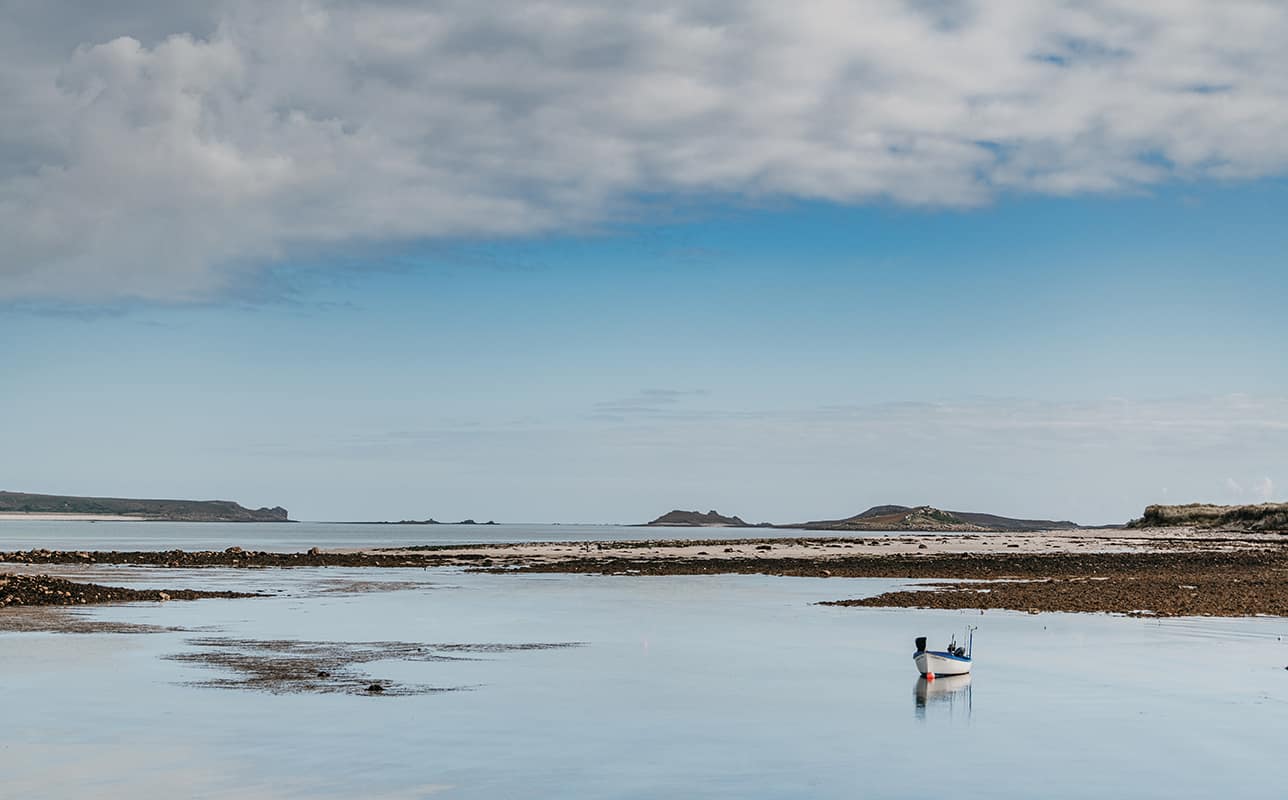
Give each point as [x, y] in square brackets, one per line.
[1166, 572]
[237, 557]
[1170, 595]
[45, 590]
[520, 554]
[1165, 583]
[977, 566]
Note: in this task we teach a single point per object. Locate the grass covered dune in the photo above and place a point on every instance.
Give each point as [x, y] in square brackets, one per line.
[1259, 517]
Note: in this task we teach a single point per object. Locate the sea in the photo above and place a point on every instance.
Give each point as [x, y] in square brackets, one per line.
[577, 686]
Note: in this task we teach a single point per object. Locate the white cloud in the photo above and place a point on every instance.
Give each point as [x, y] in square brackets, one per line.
[1264, 490]
[159, 150]
[1259, 491]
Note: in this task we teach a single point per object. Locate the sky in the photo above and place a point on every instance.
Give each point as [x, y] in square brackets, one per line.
[571, 262]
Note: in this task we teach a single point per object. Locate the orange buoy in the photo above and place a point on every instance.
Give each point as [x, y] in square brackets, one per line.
[930, 676]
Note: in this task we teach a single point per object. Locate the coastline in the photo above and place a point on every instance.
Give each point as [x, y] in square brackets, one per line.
[1166, 572]
[38, 516]
[47, 516]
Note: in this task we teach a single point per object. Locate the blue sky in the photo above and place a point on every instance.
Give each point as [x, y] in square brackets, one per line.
[777, 362]
[366, 260]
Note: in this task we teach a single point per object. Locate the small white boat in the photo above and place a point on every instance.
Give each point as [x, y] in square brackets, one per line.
[955, 660]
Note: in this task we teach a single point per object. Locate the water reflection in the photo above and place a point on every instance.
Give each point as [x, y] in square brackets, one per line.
[950, 696]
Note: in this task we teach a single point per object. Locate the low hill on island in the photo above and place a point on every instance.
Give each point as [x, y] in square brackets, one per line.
[928, 518]
[1260, 517]
[877, 518]
[696, 519]
[167, 510]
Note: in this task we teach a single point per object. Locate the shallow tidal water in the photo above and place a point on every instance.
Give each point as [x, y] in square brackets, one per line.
[23, 534]
[689, 686]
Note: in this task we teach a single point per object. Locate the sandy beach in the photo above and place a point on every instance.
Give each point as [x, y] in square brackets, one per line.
[813, 545]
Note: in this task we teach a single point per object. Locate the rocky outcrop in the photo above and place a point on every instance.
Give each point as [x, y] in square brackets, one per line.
[43, 590]
[696, 519]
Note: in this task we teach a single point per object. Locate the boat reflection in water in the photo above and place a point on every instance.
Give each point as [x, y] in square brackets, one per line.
[948, 696]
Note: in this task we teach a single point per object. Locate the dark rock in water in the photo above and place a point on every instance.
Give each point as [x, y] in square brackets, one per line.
[375, 688]
[324, 674]
[313, 551]
[234, 549]
[46, 590]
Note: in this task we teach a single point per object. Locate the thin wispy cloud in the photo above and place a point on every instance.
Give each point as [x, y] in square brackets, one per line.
[1096, 460]
[1200, 421]
[659, 419]
[649, 402]
[171, 150]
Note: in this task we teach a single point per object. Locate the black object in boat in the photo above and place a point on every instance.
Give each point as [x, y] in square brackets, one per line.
[921, 644]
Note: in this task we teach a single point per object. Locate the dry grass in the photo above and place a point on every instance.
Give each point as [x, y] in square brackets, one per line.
[1259, 517]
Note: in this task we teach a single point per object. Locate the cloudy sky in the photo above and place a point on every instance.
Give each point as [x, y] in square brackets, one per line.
[578, 261]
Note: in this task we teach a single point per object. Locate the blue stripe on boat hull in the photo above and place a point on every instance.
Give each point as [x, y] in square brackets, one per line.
[942, 654]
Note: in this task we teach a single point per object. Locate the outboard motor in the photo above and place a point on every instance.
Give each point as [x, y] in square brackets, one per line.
[921, 644]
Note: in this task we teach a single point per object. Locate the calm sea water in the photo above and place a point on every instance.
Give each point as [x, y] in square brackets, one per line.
[694, 686]
[57, 535]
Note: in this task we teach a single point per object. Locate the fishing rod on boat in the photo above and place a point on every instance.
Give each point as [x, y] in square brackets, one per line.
[970, 639]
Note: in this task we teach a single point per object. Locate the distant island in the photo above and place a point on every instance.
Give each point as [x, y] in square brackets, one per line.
[696, 519]
[1251, 518]
[877, 518]
[929, 518]
[22, 503]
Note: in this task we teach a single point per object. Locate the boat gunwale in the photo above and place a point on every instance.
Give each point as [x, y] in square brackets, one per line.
[942, 654]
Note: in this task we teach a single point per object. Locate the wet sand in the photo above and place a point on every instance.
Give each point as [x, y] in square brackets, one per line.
[307, 667]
